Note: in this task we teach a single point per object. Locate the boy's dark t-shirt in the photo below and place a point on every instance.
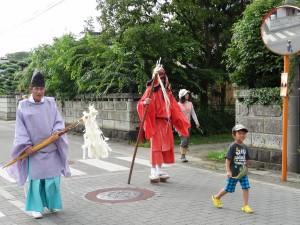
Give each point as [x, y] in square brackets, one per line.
[238, 154]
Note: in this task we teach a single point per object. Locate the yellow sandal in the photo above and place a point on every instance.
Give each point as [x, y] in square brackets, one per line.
[217, 202]
[247, 209]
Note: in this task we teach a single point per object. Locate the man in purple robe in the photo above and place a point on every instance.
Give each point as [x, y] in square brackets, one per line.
[38, 118]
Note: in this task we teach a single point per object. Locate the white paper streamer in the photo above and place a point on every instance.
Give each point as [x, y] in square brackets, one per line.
[94, 140]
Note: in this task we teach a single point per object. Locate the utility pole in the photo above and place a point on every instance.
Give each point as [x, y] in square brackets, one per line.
[293, 117]
[293, 123]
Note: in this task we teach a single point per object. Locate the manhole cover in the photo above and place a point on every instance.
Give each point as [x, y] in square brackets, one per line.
[118, 195]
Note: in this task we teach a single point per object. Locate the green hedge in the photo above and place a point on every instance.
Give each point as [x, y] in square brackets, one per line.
[214, 121]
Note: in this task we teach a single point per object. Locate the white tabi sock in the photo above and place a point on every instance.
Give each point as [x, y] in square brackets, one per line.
[158, 170]
[153, 171]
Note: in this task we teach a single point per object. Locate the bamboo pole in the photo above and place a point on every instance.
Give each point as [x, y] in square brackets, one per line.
[140, 130]
[44, 143]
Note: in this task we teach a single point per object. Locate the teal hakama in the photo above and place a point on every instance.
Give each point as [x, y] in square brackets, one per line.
[43, 193]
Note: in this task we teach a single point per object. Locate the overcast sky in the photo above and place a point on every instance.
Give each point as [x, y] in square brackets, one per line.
[24, 24]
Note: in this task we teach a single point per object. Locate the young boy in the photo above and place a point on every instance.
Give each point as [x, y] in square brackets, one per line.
[237, 159]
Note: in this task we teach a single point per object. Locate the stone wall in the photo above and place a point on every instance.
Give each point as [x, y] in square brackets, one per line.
[117, 117]
[264, 138]
[8, 107]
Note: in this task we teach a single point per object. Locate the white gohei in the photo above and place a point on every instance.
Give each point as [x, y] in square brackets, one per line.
[163, 89]
[94, 140]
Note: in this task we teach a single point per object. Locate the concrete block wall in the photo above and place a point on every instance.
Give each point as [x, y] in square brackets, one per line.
[8, 107]
[117, 117]
[264, 123]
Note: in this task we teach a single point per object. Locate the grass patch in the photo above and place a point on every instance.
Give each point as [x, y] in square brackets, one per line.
[146, 144]
[200, 139]
[217, 156]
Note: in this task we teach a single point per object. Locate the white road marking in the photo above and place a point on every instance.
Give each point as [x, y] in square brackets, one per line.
[6, 195]
[75, 172]
[280, 35]
[139, 161]
[103, 165]
[4, 174]
[289, 33]
[269, 37]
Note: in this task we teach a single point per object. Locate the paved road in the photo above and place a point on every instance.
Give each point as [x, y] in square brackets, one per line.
[184, 200]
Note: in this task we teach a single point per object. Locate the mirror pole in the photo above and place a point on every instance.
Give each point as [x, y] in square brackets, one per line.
[285, 122]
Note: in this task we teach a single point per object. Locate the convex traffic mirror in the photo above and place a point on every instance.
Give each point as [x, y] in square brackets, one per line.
[280, 30]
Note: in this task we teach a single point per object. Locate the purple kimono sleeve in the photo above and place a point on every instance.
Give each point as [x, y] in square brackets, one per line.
[62, 145]
[19, 170]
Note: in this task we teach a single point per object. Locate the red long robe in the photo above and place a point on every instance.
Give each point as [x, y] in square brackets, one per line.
[158, 126]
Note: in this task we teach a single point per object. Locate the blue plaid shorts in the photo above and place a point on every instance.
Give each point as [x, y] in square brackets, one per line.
[231, 184]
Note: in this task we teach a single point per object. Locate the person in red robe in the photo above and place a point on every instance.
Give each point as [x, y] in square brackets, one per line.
[163, 113]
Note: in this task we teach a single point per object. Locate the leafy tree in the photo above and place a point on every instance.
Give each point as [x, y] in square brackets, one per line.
[99, 67]
[89, 65]
[137, 41]
[23, 64]
[190, 36]
[18, 56]
[8, 80]
[38, 57]
[117, 16]
[51, 60]
[249, 62]
[89, 25]
[202, 32]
